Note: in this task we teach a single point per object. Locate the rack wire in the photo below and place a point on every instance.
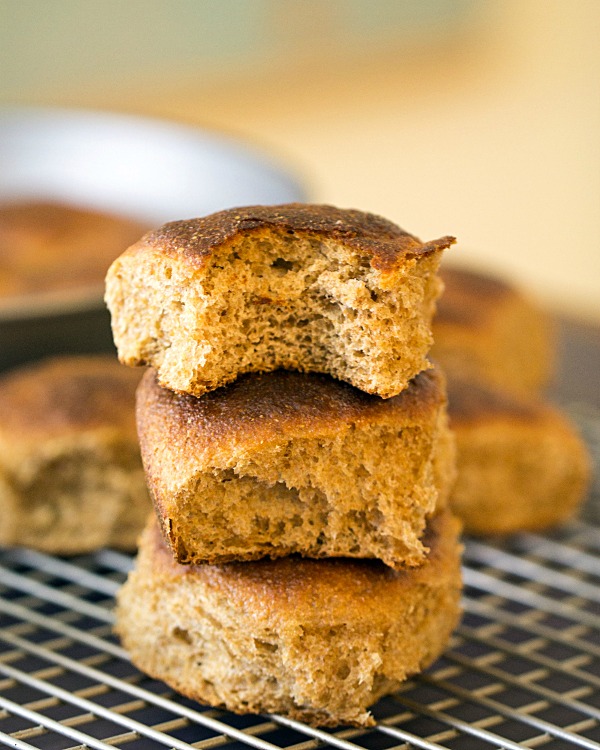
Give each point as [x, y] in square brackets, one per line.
[522, 670]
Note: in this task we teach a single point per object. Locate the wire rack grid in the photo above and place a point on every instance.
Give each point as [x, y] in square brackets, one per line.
[522, 670]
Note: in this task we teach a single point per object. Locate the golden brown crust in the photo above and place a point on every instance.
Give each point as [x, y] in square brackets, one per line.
[470, 401]
[296, 589]
[470, 297]
[197, 239]
[296, 463]
[65, 394]
[256, 289]
[258, 408]
[47, 246]
[486, 329]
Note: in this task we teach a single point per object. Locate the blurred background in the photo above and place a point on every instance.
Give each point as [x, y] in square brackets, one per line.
[478, 118]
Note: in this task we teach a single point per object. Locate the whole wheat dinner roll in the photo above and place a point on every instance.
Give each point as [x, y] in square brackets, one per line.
[316, 640]
[254, 289]
[488, 330]
[521, 464]
[291, 462]
[71, 477]
[49, 247]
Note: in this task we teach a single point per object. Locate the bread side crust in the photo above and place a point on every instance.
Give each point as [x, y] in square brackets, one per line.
[521, 465]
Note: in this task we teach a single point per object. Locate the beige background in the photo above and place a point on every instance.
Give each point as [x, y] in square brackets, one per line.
[479, 119]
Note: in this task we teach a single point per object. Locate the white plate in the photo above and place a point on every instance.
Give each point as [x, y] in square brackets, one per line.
[153, 170]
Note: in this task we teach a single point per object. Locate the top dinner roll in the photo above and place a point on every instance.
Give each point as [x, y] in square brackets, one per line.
[300, 287]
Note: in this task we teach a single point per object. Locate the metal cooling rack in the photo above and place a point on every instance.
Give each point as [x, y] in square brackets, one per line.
[523, 668]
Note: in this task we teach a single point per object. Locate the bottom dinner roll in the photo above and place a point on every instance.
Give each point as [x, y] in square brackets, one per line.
[315, 640]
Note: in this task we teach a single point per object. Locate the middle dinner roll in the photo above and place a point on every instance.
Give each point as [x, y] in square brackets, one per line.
[287, 462]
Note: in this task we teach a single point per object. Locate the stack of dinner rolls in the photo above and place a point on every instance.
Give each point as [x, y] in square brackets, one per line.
[521, 463]
[301, 558]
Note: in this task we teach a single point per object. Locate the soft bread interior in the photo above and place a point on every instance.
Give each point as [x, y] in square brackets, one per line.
[324, 496]
[274, 300]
